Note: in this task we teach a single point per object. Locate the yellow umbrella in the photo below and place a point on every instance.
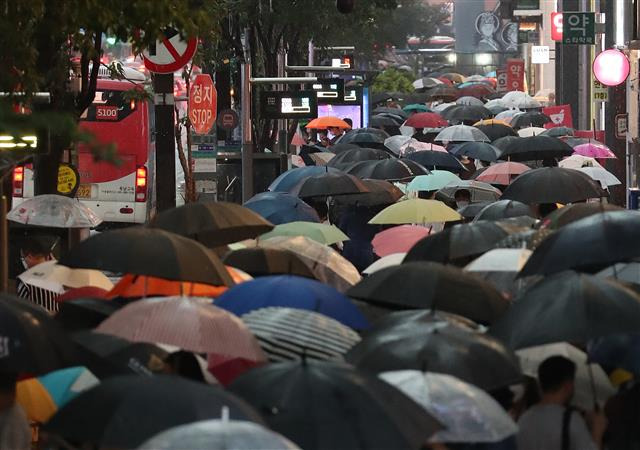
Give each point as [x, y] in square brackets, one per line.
[416, 210]
[491, 122]
[36, 401]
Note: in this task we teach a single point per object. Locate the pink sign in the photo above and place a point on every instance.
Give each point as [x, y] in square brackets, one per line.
[560, 116]
[611, 67]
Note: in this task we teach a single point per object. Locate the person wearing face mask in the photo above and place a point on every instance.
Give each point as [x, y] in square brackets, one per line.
[462, 197]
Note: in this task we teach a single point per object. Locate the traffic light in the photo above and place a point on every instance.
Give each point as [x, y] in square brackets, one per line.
[345, 6]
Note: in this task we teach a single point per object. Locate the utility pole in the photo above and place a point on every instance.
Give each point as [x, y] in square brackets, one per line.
[165, 176]
[247, 132]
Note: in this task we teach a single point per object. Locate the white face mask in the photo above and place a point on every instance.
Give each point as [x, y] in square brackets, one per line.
[461, 203]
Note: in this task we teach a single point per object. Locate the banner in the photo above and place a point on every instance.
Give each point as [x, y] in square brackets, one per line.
[501, 80]
[560, 116]
[515, 74]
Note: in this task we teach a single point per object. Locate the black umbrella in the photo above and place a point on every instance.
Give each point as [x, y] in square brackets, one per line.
[477, 150]
[456, 245]
[467, 114]
[533, 148]
[149, 251]
[496, 131]
[437, 160]
[339, 148]
[568, 307]
[323, 405]
[472, 209]
[381, 192]
[529, 239]
[382, 121]
[530, 119]
[589, 244]
[575, 141]
[394, 111]
[552, 185]
[32, 342]
[329, 184]
[440, 347]
[371, 138]
[416, 97]
[307, 150]
[571, 213]
[396, 118]
[503, 142]
[84, 313]
[357, 155]
[125, 411]
[503, 209]
[388, 169]
[558, 132]
[268, 261]
[380, 97]
[419, 285]
[212, 224]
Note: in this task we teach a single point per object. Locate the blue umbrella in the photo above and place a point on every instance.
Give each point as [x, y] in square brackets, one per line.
[618, 350]
[292, 292]
[287, 180]
[280, 207]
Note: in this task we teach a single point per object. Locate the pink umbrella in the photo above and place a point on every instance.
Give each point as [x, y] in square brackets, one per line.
[502, 173]
[594, 150]
[417, 146]
[398, 239]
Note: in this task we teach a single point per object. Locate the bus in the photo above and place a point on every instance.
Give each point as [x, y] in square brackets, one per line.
[119, 194]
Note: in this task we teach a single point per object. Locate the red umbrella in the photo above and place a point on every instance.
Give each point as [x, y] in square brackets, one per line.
[398, 239]
[446, 81]
[426, 120]
[502, 173]
[478, 90]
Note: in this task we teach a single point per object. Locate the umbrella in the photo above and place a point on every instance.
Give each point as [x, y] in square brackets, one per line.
[388, 169]
[292, 292]
[287, 180]
[601, 175]
[322, 123]
[552, 185]
[466, 113]
[212, 224]
[530, 239]
[503, 209]
[479, 90]
[426, 83]
[397, 239]
[626, 272]
[591, 383]
[617, 350]
[500, 267]
[380, 97]
[532, 148]
[381, 192]
[502, 173]
[431, 344]
[268, 261]
[469, 414]
[527, 103]
[442, 106]
[428, 285]
[148, 251]
[288, 334]
[508, 115]
[443, 92]
[339, 148]
[460, 241]
[588, 244]
[437, 179]
[452, 76]
[417, 211]
[280, 207]
[32, 342]
[395, 143]
[426, 120]
[594, 150]
[129, 414]
[577, 161]
[328, 265]
[472, 209]
[329, 183]
[575, 141]
[437, 160]
[357, 155]
[394, 259]
[219, 434]
[84, 313]
[365, 137]
[54, 277]
[322, 405]
[414, 146]
[319, 232]
[530, 119]
[480, 192]
[469, 101]
[511, 98]
[532, 131]
[571, 213]
[461, 133]
[559, 132]
[386, 110]
[496, 130]
[384, 121]
[416, 107]
[477, 150]
[56, 211]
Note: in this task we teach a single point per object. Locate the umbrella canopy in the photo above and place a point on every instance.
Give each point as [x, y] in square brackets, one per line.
[530, 239]
[601, 175]
[437, 160]
[477, 150]
[394, 259]
[288, 334]
[533, 148]
[141, 286]
[469, 101]
[339, 148]
[415, 107]
[530, 119]
[575, 141]
[437, 179]
[84, 313]
[384, 121]
[218, 433]
[268, 261]
[322, 123]
[472, 209]
[526, 103]
[365, 137]
[597, 307]
[381, 192]
[577, 161]
[480, 192]
[532, 131]
[386, 110]
[552, 185]
[397, 239]
[395, 143]
[453, 76]
[425, 83]
[319, 232]
[503, 209]
[322, 405]
[414, 146]
[443, 92]
[502, 173]
[572, 213]
[289, 179]
[432, 344]
[496, 130]
[618, 350]
[54, 277]
[56, 211]
[626, 272]
[461, 133]
[426, 120]
[417, 211]
[479, 90]
[510, 98]
[469, 414]
[148, 251]
[428, 285]
[594, 150]
[329, 183]
[389, 169]
[468, 114]
[129, 414]
[559, 131]
[500, 260]
[212, 224]
[508, 115]
[191, 323]
[280, 207]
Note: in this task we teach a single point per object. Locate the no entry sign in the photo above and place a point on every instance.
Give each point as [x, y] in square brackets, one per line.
[170, 54]
[203, 101]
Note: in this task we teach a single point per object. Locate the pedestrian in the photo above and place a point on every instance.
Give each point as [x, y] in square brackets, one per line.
[36, 250]
[349, 122]
[462, 198]
[15, 433]
[336, 132]
[552, 424]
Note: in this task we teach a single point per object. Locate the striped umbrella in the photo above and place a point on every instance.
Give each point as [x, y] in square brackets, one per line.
[288, 334]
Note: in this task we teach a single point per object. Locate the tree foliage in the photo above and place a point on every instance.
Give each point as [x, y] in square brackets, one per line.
[393, 80]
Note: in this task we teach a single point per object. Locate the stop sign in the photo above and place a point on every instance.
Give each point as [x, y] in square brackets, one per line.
[203, 101]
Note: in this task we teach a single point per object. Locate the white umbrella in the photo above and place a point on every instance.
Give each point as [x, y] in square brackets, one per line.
[578, 161]
[441, 107]
[468, 100]
[395, 143]
[532, 357]
[629, 272]
[601, 175]
[500, 260]
[53, 277]
[394, 259]
[407, 131]
[531, 131]
[56, 211]
[494, 102]
[461, 133]
[527, 103]
[468, 413]
[511, 99]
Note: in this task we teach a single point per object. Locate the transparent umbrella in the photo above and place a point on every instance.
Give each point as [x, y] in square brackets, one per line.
[56, 211]
[468, 413]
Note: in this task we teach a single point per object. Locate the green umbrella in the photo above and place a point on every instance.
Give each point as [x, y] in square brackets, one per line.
[434, 181]
[417, 107]
[319, 232]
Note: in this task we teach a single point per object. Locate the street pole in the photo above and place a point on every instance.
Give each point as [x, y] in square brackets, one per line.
[247, 136]
[4, 244]
[165, 176]
[584, 80]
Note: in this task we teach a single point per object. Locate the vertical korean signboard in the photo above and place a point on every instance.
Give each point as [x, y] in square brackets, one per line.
[501, 80]
[515, 75]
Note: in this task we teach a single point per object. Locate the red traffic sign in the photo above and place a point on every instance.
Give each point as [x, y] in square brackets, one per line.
[203, 102]
[170, 54]
[228, 119]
